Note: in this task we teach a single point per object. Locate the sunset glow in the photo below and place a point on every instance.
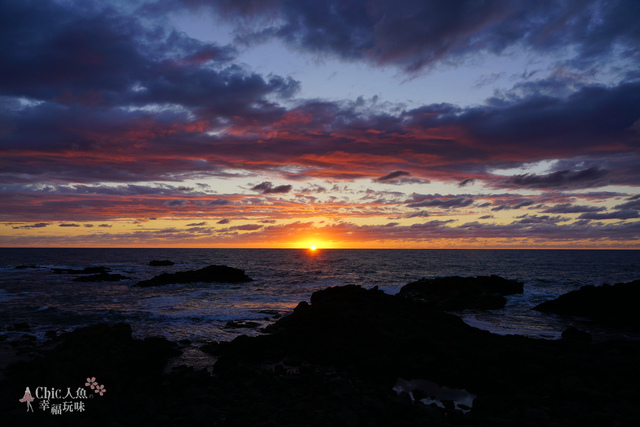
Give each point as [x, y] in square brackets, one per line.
[157, 128]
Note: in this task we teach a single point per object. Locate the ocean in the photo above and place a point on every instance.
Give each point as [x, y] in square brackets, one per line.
[31, 292]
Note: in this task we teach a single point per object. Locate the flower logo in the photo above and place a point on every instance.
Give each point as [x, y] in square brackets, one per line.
[91, 382]
[97, 388]
[100, 390]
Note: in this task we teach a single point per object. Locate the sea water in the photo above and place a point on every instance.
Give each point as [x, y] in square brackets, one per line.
[31, 292]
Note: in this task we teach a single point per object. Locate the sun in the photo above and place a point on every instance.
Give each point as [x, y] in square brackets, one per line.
[313, 248]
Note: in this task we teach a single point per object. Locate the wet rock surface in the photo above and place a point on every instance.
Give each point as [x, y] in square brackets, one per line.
[336, 362]
[615, 305]
[212, 273]
[460, 293]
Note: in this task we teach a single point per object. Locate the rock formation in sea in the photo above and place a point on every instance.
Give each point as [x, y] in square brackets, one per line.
[459, 293]
[615, 305]
[101, 277]
[350, 357]
[86, 270]
[212, 273]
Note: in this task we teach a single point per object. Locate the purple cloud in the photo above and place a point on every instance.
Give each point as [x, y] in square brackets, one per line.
[267, 188]
[450, 203]
[624, 214]
[568, 208]
[393, 175]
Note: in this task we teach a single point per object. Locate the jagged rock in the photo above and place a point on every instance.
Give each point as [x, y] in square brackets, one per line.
[102, 277]
[161, 263]
[459, 293]
[371, 339]
[212, 273]
[215, 348]
[127, 367]
[86, 270]
[335, 362]
[615, 305]
[22, 327]
[576, 335]
[235, 324]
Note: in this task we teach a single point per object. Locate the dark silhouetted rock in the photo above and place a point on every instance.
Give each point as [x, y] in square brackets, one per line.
[102, 277]
[215, 348]
[576, 335]
[273, 313]
[22, 327]
[351, 345]
[86, 270]
[212, 273]
[615, 305]
[127, 368]
[337, 361]
[459, 293]
[161, 263]
[242, 324]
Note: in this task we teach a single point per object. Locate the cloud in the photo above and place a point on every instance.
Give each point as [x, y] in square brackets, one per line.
[565, 179]
[246, 227]
[267, 188]
[488, 79]
[419, 214]
[37, 225]
[97, 56]
[568, 208]
[177, 202]
[219, 202]
[539, 219]
[433, 142]
[223, 221]
[197, 224]
[623, 214]
[108, 114]
[68, 225]
[313, 188]
[420, 34]
[443, 203]
[633, 203]
[393, 175]
[514, 204]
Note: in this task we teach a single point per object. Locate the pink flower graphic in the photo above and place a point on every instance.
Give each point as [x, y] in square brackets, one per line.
[100, 389]
[91, 382]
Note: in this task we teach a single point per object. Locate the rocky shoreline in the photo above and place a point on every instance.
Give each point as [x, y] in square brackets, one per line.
[351, 357]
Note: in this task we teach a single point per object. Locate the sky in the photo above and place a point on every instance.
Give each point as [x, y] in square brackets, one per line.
[332, 123]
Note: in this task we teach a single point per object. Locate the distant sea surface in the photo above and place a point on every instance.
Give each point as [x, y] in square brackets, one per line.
[31, 292]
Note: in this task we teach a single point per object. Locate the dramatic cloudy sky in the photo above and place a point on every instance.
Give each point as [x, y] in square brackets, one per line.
[339, 123]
